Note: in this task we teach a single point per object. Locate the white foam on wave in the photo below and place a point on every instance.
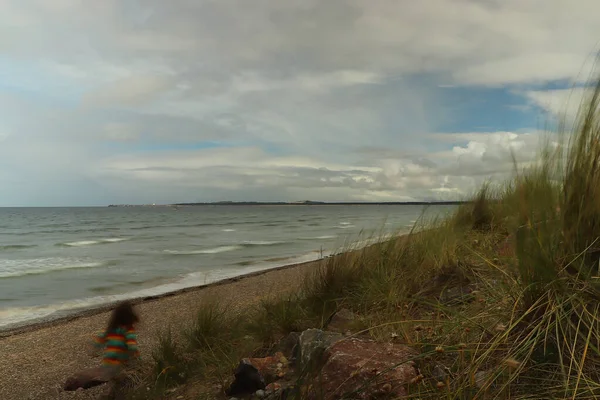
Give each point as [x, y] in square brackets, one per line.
[81, 243]
[113, 240]
[223, 249]
[345, 223]
[345, 226]
[215, 250]
[21, 315]
[228, 230]
[262, 242]
[323, 237]
[38, 266]
[92, 242]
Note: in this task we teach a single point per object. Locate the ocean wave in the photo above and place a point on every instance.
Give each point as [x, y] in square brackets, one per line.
[15, 316]
[345, 226]
[245, 263]
[81, 243]
[197, 225]
[16, 246]
[223, 249]
[228, 230]
[323, 237]
[69, 231]
[20, 315]
[345, 223]
[18, 268]
[250, 243]
[215, 250]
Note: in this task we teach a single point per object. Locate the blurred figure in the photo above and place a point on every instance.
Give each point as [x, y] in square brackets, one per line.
[119, 340]
[118, 343]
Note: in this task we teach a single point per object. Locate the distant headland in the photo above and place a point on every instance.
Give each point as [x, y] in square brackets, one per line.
[294, 203]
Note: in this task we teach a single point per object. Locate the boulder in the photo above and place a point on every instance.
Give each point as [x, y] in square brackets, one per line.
[440, 373]
[313, 343]
[341, 321]
[455, 295]
[482, 378]
[289, 345]
[86, 379]
[271, 368]
[364, 369]
[253, 374]
[247, 380]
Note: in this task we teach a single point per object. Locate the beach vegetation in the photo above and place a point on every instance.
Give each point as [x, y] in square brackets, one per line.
[504, 292]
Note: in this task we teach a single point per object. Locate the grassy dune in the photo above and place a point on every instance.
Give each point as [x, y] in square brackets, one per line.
[528, 328]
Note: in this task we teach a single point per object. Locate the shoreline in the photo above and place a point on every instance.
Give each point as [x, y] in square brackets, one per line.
[74, 314]
[60, 317]
[36, 359]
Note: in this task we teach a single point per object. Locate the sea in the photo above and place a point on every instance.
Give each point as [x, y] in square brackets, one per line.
[58, 260]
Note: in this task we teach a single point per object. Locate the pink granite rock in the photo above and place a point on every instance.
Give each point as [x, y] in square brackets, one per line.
[360, 369]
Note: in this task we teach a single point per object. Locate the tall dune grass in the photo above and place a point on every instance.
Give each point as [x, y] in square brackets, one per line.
[505, 292]
[532, 249]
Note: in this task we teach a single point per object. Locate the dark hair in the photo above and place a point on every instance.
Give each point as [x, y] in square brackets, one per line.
[122, 315]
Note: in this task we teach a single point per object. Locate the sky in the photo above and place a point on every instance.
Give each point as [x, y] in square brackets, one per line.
[131, 101]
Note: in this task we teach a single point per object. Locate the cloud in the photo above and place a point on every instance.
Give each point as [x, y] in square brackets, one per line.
[121, 132]
[562, 104]
[232, 173]
[129, 91]
[340, 99]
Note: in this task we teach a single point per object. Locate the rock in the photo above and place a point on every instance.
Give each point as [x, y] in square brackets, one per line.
[247, 380]
[367, 369]
[313, 343]
[279, 391]
[289, 345]
[86, 379]
[439, 373]
[271, 368]
[254, 374]
[273, 387]
[260, 394]
[481, 377]
[341, 321]
[456, 295]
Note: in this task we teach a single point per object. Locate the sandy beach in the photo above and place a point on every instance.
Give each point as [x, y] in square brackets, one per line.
[35, 360]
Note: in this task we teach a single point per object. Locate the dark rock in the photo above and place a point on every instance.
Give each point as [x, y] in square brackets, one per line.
[289, 345]
[365, 370]
[456, 295]
[253, 374]
[440, 373]
[341, 321]
[247, 380]
[86, 379]
[313, 343]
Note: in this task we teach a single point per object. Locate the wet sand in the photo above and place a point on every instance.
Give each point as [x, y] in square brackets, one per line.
[36, 359]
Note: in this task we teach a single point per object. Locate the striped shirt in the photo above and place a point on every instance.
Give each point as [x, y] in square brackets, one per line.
[119, 346]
